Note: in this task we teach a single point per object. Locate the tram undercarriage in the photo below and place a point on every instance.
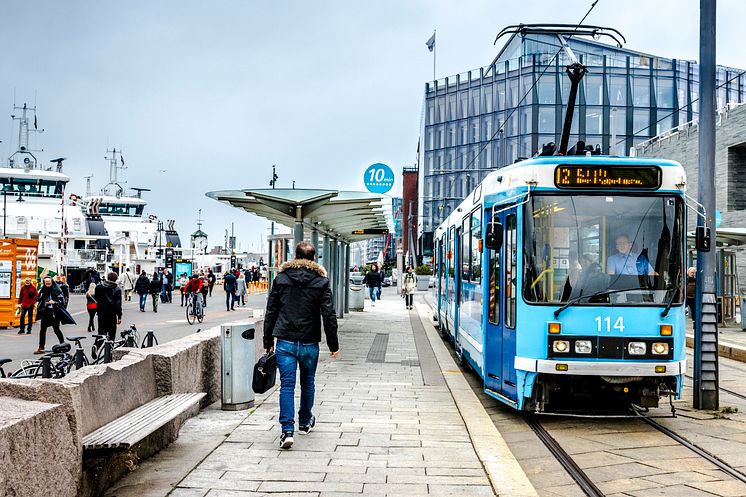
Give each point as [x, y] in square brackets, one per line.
[565, 393]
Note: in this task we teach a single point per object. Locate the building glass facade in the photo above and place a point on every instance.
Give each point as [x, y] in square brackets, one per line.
[484, 119]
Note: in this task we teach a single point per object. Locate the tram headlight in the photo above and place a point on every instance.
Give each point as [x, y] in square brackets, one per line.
[583, 347]
[660, 348]
[637, 348]
[561, 346]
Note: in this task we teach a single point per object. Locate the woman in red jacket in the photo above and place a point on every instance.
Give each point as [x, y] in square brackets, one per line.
[27, 302]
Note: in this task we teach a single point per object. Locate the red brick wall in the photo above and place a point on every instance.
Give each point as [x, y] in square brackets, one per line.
[409, 197]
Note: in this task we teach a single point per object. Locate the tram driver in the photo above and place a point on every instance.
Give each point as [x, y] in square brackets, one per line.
[625, 261]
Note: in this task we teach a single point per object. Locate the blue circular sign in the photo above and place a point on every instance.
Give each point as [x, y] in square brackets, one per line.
[379, 178]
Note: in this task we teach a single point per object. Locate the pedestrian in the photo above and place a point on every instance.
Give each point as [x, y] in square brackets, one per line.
[255, 276]
[108, 297]
[49, 300]
[300, 299]
[211, 278]
[205, 287]
[395, 277]
[142, 288]
[90, 305]
[91, 276]
[168, 285]
[371, 280]
[409, 285]
[381, 276]
[65, 288]
[27, 302]
[127, 283]
[691, 292]
[155, 290]
[241, 289]
[229, 285]
[183, 280]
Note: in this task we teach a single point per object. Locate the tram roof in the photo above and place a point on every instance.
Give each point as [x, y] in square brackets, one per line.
[350, 216]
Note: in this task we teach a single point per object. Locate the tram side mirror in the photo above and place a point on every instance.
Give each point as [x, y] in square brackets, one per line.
[493, 240]
[703, 239]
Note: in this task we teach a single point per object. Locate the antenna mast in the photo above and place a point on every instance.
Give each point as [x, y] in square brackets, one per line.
[29, 160]
[116, 162]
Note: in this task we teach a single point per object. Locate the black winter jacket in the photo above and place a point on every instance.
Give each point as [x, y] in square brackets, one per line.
[372, 279]
[108, 299]
[142, 284]
[47, 293]
[229, 282]
[155, 285]
[300, 298]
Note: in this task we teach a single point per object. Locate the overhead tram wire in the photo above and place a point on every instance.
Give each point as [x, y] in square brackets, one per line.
[677, 110]
[517, 106]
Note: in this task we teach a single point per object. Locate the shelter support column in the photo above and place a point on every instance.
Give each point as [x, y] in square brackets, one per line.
[325, 255]
[340, 280]
[298, 231]
[347, 278]
[315, 240]
[332, 269]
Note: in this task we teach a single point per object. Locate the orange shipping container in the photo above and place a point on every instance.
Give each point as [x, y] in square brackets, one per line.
[19, 259]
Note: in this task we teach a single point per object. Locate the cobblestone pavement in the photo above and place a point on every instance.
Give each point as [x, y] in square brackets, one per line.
[380, 430]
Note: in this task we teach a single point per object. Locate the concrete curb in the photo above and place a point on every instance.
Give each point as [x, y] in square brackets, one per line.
[505, 474]
[728, 350]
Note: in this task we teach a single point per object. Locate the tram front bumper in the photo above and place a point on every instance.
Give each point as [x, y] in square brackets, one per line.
[601, 368]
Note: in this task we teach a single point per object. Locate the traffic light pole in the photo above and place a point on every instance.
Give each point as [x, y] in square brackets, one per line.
[706, 381]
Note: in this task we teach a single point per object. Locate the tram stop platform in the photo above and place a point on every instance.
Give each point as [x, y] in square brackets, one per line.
[731, 341]
[395, 417]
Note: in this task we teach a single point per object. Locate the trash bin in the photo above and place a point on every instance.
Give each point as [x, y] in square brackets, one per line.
[238, 351]
[357, 298]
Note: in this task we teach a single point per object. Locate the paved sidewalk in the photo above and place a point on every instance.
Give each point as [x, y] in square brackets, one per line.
[381, 428]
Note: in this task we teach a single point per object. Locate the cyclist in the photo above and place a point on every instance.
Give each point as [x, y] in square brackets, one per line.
[193, 290]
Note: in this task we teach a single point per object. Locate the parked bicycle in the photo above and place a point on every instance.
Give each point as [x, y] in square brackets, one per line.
[53, 365]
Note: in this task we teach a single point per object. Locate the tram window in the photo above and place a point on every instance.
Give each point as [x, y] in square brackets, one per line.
[511, 273]
[475, 262]
[465, 252]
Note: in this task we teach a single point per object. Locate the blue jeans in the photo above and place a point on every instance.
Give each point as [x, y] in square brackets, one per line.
[230, 300]
[290, 357]
[143, 301]
[373, 292]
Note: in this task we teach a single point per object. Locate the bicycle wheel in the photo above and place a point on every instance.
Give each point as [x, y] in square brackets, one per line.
[190, 315]
[30, 371]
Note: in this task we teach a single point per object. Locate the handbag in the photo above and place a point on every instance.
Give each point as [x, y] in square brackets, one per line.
[265, 373]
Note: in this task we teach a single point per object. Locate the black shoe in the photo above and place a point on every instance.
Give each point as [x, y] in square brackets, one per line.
[28, 332]
[306, 429]
[286, 440]
[20, 332]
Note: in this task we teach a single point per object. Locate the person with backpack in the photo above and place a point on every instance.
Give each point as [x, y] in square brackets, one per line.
[108, 298]
[90, 305]
[409, 285]
[142, 288]
[229, 284]
[300, 299]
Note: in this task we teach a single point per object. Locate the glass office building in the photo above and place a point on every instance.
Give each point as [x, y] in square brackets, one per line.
[487, 118]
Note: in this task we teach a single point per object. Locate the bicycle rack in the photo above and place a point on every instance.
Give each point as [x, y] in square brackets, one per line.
[130, 342]
[46, 367]
[79, 358]
[150, 340]
[107, 351]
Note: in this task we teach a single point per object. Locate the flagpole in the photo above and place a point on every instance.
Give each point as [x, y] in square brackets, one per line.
[435, 49]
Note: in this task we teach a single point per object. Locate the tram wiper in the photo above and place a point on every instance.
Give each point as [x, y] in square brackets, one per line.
[597, 294]
[675, 292]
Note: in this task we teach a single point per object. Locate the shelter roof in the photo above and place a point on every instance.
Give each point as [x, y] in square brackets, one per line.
[346, 215]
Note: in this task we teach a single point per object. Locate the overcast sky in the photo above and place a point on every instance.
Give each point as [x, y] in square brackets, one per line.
[214, 93]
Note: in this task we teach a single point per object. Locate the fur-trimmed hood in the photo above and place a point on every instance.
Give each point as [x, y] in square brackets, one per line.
[303, 264]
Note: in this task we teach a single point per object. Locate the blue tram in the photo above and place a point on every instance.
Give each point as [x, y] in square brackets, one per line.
[561, 281]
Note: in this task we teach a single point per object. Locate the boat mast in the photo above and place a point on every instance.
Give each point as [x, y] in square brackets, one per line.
[116, 162]
[29, 160]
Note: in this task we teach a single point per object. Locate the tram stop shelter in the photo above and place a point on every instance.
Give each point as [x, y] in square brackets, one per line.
[339, 217]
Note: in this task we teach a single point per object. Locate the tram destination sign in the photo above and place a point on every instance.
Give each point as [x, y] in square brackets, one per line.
[601, 176]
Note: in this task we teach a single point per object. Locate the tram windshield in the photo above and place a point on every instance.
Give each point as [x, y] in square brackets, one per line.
[611, 249]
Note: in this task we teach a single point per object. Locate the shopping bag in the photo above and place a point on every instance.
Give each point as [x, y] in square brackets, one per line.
[265, 373]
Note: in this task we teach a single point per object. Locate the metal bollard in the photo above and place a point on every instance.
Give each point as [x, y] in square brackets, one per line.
[107, 351]
[46, 367]
[79, 358]
[149, 340]
[130, 342]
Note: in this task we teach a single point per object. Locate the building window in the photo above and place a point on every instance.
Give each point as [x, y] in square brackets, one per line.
[594, 90]
[664, 92]
[546, 120]
[618, 90]
[641, 91]
[594, 120]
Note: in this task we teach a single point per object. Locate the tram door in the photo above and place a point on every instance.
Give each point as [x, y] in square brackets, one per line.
[499, 368]
[457, 280]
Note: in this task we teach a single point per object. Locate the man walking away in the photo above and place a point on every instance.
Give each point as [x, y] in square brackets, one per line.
[126, 283]
[109, 305]
[50, 298]
[155, 290]
[211, 278]
[229, 284]
[142, 288]
[300, 298]
[27, 302]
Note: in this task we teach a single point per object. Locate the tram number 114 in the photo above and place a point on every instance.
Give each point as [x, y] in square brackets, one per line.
[618, 325]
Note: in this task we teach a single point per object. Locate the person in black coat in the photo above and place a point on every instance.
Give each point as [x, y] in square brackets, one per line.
[142, 288]
[372, 280]
[49, 300]
[108, 297]
[229, 284]
[155, 290]
[211, 278]
[300, 299]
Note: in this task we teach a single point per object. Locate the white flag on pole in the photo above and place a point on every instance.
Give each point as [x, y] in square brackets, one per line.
[431, 43]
